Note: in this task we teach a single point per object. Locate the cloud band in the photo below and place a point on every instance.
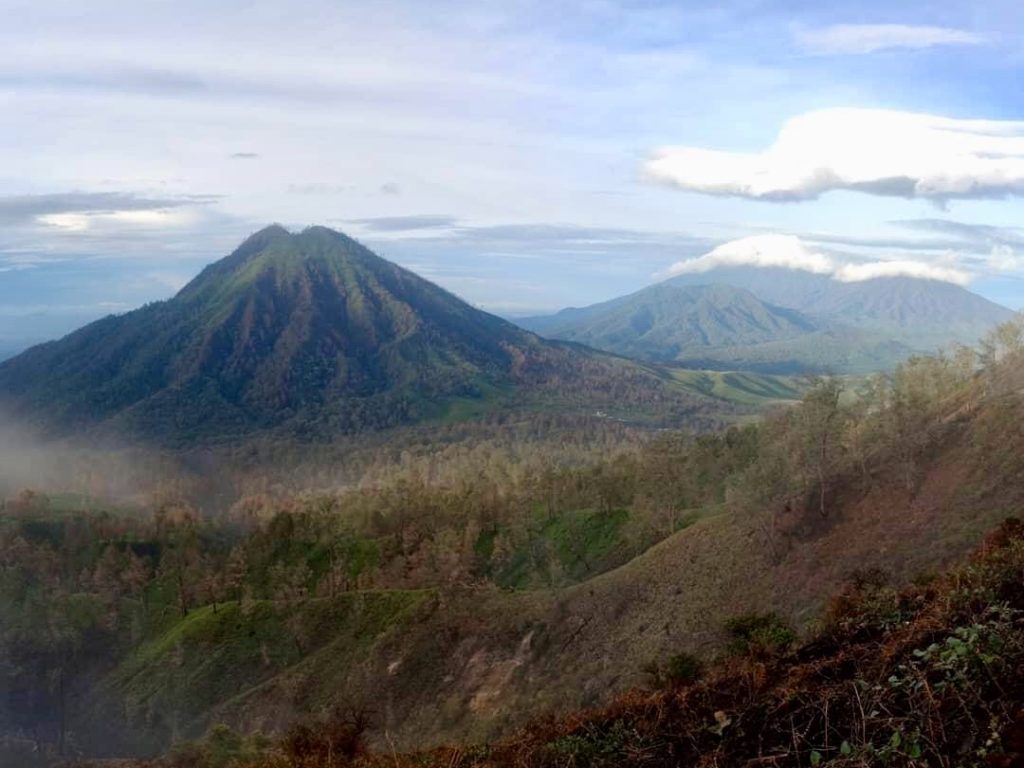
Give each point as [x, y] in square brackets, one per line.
[790, 252]
[880, 152]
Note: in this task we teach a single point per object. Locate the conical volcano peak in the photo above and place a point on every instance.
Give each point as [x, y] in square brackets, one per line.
[251, 248]
[268, 232]
[325, 243]
[275, 250]
[320, 233]
[260, 240]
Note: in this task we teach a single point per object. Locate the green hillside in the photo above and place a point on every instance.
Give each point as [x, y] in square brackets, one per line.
[741, 387]
[666, 322]
[781, 321]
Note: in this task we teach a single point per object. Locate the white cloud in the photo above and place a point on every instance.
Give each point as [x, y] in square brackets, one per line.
[868, 38]
[856, 273]
[881, 152]
[70, 222]
[153, 218]
[785, 251]
[81, 222]
[790, 252]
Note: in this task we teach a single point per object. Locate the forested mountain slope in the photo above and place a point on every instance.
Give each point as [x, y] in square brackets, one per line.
[922, 675]
[312, 335]
[779, 320]
[912, 303]
[669, 322]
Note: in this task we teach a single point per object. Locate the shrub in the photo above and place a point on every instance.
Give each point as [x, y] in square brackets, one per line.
[680, 669]
[868, 604]
[606, 745]
[754, 634]
[333, 743]
[683, 668]
[221, 747]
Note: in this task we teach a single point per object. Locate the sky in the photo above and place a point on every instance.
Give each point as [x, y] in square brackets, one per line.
[525, 155]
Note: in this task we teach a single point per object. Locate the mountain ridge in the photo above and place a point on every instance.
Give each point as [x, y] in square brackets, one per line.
[834, 326]
[663, 321]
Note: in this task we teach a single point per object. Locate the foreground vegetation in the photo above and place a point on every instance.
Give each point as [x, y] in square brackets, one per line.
[930, 675]
[480, 591]
[159, 617]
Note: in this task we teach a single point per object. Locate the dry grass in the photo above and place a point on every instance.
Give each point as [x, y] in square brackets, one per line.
[927, 676]
[930, 675]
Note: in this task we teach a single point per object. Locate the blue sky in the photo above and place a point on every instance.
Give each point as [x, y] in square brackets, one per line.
[526, 155]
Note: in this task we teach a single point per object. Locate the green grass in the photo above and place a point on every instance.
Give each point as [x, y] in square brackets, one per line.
[585, 541]
[375, 615]
[466, 408]
[755, 389]
[170, 684]
[568, 548]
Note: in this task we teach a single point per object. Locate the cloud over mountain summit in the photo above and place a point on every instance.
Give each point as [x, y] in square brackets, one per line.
[791, 252]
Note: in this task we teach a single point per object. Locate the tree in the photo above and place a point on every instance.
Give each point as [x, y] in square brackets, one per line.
[48, 641]
[235, 572]
[213, 585]
[180, 557]
[1003, 341]
[819, 421]
[909, 419]
[106, 576]
[27, 502]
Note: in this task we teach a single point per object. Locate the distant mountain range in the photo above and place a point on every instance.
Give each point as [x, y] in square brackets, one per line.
[313, 334]
[669, 321]
[778, 320]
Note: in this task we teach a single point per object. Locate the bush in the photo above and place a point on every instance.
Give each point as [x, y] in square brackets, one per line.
[683, 668]
[607, 745]
[755, 634]
[221, 747]
[680, 669]
[332, 743]
[867, 604]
